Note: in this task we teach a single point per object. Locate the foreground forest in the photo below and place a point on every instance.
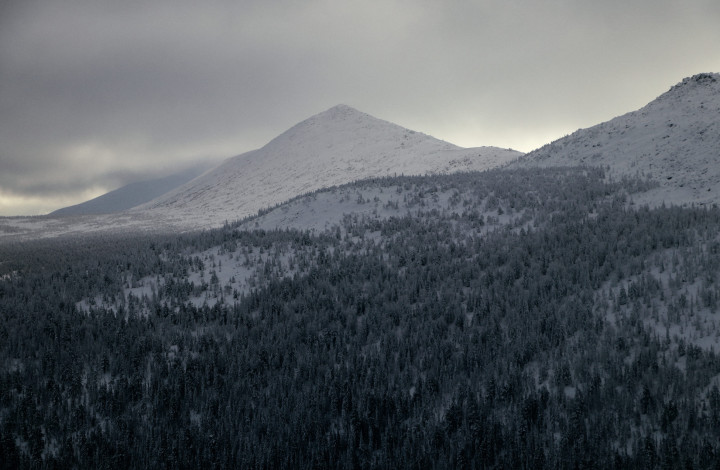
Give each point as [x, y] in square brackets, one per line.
[507, 319]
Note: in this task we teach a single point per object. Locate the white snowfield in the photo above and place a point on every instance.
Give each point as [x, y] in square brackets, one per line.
[675, 139]
[338, 146]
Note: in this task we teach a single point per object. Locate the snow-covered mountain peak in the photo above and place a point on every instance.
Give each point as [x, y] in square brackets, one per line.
[691, 92]
[700, 81]
[340, 111]
[337, 116]
[343, 127]
[336, 146]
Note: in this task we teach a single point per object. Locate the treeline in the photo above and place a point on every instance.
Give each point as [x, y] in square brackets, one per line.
[437, 344]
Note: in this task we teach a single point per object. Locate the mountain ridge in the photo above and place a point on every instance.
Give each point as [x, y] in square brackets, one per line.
[336, 146]
[674, 139]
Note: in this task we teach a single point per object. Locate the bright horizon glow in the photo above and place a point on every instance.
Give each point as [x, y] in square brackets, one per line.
[12, 205]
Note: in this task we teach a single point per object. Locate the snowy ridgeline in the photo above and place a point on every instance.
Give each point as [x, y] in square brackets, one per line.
[675, 139]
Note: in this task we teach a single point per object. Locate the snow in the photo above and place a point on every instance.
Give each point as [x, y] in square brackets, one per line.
[23, 228]
[694, 325]
[675, 140]
[338, 146]
[325, 210]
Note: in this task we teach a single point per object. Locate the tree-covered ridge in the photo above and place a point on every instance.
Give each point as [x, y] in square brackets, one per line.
[416, 341]
[227, 263]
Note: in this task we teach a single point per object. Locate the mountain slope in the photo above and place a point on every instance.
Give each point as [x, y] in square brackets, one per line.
[334, 147]
[131, 195]
[675, 139]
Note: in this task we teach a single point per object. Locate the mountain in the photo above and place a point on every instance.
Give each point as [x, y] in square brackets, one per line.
[675, 140]
[510, 318]
[337, 146]
[131, 195]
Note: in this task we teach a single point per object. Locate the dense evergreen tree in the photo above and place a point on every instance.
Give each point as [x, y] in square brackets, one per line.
[445, 338]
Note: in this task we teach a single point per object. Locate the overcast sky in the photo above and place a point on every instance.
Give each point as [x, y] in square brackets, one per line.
[96, 94]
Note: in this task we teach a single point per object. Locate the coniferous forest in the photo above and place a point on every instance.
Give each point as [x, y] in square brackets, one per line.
[506, 319]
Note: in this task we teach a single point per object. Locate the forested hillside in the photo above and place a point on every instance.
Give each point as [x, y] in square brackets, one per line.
[506, 319]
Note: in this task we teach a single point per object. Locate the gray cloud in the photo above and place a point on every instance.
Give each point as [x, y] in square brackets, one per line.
[95, 94]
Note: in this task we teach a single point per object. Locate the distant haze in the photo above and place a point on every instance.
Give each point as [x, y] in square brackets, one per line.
[95, 95]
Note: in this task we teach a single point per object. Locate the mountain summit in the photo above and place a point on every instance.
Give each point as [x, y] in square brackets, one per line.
[674, 139]
[334, 147]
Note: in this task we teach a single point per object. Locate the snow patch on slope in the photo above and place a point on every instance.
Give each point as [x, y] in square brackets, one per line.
[328, 209]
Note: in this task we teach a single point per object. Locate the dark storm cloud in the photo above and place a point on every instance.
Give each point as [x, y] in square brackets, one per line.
[96, 94]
